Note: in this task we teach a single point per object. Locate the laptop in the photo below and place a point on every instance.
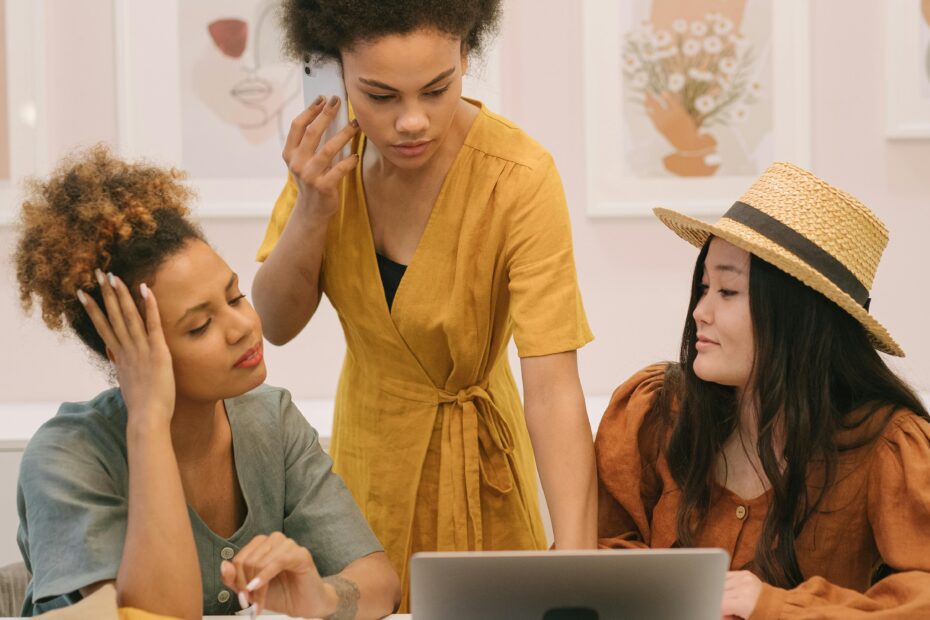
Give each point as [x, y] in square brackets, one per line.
[612, 584]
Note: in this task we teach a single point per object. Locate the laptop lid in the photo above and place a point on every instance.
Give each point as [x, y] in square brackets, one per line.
[568, 585]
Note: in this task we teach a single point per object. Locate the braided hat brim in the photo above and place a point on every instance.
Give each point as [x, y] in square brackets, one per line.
[696, 233]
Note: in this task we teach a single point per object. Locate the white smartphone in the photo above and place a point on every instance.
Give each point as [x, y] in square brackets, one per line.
[326, 80]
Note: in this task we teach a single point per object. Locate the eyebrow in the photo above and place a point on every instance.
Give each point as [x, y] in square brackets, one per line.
[206, 304]
[729, 268]
[436, 79]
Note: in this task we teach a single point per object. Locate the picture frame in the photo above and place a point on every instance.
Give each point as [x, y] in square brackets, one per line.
[645, 151]
[907, 69]
[160, 89]
[151, 115]
[23, 114]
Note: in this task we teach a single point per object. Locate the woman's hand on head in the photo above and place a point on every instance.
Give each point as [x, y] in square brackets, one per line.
[276, 573]
[311, 164]
[136, 348]
[741, 591]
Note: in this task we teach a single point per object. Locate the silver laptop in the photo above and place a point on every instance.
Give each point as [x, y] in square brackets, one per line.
[646, 584]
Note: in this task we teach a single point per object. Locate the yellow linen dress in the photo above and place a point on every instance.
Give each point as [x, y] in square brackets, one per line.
[429, 433]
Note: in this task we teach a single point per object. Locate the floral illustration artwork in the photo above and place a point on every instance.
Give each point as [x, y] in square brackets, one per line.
[238, 92]
[696, 77]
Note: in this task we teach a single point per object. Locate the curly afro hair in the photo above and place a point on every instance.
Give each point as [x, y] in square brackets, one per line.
[96, 211]
[317, 30]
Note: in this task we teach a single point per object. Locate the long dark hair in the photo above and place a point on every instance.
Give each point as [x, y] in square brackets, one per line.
[814, 367]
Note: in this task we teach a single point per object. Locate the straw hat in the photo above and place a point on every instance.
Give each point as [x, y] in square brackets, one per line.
[810, 230]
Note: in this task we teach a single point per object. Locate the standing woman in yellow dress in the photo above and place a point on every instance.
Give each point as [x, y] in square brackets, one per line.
[444, 233]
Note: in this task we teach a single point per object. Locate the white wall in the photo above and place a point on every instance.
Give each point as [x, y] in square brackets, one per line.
[633, 272]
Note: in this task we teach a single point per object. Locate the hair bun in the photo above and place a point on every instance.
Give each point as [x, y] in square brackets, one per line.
[78, 219]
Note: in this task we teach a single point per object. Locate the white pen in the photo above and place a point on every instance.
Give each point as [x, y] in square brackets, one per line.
[247, 608]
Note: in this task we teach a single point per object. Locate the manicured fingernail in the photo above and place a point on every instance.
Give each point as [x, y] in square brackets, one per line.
[243, 600]
[100, 276]
[144, 291]
[253, 584]
[354, 122]
[318, 101]
[111, 279]
[82, 297]
[333, 101]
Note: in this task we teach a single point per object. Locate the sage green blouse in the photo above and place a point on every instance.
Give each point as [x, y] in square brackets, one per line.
[73, 494]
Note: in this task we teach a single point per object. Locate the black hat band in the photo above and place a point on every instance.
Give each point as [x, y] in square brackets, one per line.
[802, 247]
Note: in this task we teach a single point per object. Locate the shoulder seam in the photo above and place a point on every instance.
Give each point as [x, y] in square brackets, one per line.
[531, 165]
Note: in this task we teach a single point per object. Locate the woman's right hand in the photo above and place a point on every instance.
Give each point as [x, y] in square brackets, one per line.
[274, 572]
[137, 349]
[310, 164]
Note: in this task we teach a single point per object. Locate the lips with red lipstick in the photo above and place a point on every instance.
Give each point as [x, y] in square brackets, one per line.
[412, 148]
[251, 358]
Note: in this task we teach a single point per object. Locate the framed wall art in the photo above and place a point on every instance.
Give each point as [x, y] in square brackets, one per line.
[204, 86]
[23, 134]
[687, 101]
[907, 68]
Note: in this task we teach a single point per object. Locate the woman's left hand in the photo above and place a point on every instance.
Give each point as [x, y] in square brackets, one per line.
[741, 590]
[274, 572]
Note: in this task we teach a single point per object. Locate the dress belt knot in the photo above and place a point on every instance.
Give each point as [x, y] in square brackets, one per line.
[487, 443]
[494, 433]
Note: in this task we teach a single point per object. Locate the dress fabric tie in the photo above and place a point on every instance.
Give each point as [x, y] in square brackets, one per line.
[477, 441]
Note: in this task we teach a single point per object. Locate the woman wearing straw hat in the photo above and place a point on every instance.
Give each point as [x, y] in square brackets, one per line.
[780, 435]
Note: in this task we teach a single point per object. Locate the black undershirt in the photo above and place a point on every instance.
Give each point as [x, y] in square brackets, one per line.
[391, 274]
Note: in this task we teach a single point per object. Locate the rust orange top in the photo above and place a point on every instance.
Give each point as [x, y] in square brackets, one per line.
[878, 512]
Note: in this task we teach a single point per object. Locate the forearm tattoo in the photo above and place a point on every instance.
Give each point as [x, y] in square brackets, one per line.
[348, 594]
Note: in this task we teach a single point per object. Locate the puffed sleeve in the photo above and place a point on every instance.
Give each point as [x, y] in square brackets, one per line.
[899, 514]
[545, 306]
[319, 511]
[281, 213]
[624, 484]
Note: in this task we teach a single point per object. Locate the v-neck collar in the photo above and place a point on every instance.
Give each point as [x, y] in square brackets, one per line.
[373, 274]
[736, 498]
[237, 537]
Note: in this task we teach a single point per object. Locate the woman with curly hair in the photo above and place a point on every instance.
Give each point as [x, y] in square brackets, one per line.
[192, 486]
[445, 233]
[781, 435]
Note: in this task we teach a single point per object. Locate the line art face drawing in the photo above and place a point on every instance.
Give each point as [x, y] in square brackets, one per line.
[237, 88]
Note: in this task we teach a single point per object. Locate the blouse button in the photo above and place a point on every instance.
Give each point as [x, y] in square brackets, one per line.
[227, 553]
[740, 512]
[223, 596]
